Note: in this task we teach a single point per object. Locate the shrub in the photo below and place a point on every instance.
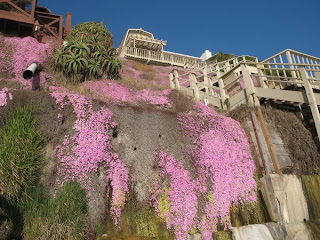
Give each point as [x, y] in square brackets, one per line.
[20, 3]
[89, 53]
[20, 153]
[91, 32]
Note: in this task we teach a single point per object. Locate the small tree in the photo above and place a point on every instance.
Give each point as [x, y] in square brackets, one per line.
[20, 3]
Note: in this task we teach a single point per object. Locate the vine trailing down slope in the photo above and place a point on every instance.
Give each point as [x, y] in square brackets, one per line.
[89, 148]
[224, 168]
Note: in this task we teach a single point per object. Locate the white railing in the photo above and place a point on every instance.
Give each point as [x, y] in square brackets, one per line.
[223, 67]
[165, 57]
[284, 62]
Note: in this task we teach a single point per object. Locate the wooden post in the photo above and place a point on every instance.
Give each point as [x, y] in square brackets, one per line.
[249, 87]
[262, 150]
[194, 86]
[171, 81]
[176, 79]
[60, 30]
[311, 99]
[262, 78]
[205, 80]
[222, 93]
[247, 80]
[289, 58]
[33, 9]
[266, 134]
[68, 23]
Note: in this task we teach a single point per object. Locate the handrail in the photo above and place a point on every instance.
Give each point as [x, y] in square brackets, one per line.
[292, 51]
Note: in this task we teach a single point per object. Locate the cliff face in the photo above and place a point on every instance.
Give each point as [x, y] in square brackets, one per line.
[139, 134]
[150, 159]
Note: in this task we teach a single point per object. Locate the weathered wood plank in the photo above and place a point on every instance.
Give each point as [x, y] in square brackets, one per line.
[269, 143]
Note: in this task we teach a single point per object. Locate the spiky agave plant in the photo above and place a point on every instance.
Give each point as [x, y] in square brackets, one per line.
[88, 54]
[74, 66]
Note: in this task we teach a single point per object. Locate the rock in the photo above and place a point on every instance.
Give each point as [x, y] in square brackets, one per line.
[252, 232]
[298, 231]
[278, 231]
[284, 198]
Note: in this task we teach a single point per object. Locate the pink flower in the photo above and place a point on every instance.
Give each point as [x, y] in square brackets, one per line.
[4, 95]
[89, 148]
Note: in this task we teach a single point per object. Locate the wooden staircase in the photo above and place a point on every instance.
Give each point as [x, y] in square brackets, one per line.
[289, 77]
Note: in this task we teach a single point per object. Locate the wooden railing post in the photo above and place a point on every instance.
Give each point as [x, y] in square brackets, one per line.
[33, 8]
[171, 81]
[261, 77]
[289, 58]
[194, 86]
[222, 93]
[60, 30]
[311, 99]
[176, 79]
[206, 80]
[149, 55]
[249, 87]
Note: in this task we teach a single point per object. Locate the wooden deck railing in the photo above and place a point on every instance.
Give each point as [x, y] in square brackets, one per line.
[164, 57]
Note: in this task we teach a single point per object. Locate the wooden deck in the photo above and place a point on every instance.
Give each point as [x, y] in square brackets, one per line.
[50, 25]
[164, 57]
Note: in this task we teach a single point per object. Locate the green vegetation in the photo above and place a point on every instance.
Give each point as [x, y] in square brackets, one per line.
[38, 216]
[311, 187]
[63, 217]
[91, 33]
[20, 153]
[280, 73]
[220, 56]
[89, 54]
[26, 211]
[138, 221]
[20, 3]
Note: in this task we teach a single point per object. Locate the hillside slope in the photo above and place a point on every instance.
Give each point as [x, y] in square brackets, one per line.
[153, 163]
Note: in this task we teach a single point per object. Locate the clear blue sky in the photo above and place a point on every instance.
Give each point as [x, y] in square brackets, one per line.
[252, 27]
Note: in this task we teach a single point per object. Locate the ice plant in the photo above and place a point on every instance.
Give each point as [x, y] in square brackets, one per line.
[5, 94]
[224, 166]
[223, 159]
[119, 94]
[89, 148]
[181, 195]
[20, 53]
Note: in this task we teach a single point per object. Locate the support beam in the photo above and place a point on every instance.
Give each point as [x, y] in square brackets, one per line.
[266, 134]
[176, 79]
[68, 24]
[33, 9]
[171, 81]
[194, 86]
[249, 87]
[222, 93]
[311, 99]
[60, 30]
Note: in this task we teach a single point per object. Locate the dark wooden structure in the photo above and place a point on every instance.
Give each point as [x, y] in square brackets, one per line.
[19, 22]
